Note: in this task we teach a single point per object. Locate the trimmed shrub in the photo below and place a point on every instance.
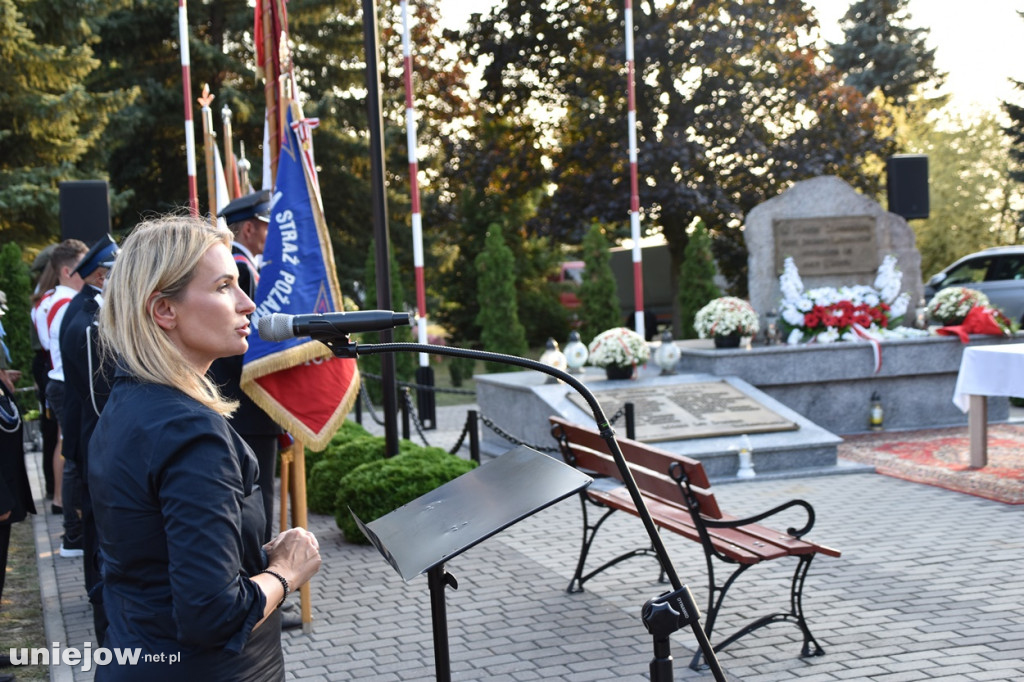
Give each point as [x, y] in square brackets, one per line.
[323, 478]
[348, 432]
[376, 488]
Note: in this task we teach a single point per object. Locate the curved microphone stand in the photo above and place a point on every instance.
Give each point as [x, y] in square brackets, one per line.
[662, 615]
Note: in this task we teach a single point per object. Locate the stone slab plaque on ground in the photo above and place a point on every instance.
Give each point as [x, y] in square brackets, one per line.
[693, 410]
[517, 405]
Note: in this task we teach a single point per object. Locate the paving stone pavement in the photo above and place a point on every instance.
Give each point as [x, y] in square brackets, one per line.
[929, 587]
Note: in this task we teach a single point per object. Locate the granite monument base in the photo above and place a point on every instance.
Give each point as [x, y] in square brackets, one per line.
[519, 403]
[832, 384]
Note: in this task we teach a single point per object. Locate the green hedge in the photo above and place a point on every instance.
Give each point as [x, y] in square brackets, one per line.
[337, 461]
[348, 432]
[373, 489]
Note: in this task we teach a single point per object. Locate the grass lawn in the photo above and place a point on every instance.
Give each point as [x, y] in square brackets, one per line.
[21, 611]
[442, 379]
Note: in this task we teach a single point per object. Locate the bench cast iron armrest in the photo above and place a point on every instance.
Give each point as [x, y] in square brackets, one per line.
[737, 523]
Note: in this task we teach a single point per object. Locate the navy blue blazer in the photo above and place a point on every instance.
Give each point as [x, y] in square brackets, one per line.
[180, 523]
[15, 491]
[85, 392]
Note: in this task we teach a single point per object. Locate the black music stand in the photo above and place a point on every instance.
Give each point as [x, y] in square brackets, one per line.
[423, 534]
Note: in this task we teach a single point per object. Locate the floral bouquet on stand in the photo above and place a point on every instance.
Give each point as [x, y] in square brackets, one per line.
[618, 348]
[829, 314]
[951, 305]
[726, 316]
[964, 311]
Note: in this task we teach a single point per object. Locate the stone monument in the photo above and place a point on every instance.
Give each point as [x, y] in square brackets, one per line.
[835, 235]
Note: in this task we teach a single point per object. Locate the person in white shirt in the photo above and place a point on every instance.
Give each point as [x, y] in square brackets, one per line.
[51, 455]
[64, 260]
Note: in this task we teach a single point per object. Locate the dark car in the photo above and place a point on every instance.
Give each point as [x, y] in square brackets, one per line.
[998, 273]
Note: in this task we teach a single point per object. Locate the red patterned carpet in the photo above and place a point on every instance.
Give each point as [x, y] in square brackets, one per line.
[941, 457]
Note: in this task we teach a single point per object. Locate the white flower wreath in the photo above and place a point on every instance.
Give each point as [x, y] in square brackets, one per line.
[618, 347]
[726, 316]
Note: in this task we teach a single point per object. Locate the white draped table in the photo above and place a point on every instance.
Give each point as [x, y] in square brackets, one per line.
[985, 371]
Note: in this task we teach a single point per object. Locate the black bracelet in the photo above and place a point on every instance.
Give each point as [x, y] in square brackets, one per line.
[284, 584]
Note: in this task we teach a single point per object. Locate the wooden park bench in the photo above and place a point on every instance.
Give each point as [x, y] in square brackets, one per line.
[677, 493]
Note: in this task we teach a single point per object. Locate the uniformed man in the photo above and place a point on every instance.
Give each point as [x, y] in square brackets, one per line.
[248, 218]
[87, 385]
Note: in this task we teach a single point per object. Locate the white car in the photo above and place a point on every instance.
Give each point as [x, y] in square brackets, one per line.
[997, 272]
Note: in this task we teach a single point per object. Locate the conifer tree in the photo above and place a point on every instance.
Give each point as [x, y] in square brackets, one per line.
[500, 328]
[16, 283]
[50, 122]
[598, 294]
[696, 280]
[881, 51]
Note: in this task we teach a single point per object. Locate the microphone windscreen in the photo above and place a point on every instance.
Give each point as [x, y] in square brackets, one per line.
[275, 327]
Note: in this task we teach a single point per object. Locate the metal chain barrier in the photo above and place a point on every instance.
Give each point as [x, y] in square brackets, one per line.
[461, 438]
[487, 421]
[412, 414]
[365, 397]
[419, 387]
[622, 411]
[512, 439]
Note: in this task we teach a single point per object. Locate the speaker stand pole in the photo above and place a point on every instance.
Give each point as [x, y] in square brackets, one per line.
[437, 580]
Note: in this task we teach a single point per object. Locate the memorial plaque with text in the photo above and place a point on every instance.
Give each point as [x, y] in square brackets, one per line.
[823, 247]
[697, 410]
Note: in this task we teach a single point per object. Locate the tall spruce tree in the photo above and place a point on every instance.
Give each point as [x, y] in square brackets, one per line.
[881, 51]
[598, 294]
[51, 122]
[500, 328]
[696, 280]
[16, 283]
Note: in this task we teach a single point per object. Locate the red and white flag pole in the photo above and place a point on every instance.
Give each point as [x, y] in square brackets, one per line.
[190, 133]
[634, 195]
[414, 188]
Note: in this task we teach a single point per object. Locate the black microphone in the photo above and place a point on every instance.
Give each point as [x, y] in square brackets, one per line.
[279, 327]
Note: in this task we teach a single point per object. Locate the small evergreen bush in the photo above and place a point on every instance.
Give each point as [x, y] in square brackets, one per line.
[598, 293]
[323, 478]
[348, 432]
[500, 328]
[697, 285]
[460, 369]
[372, 490]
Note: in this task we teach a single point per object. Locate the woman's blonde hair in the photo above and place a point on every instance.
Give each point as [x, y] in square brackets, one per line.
[160, 256]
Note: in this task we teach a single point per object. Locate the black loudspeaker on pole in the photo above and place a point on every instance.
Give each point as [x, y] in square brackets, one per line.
[906, 179]
[84, 210]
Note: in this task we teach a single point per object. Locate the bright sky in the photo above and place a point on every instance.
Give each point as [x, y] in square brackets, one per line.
[978, 43]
